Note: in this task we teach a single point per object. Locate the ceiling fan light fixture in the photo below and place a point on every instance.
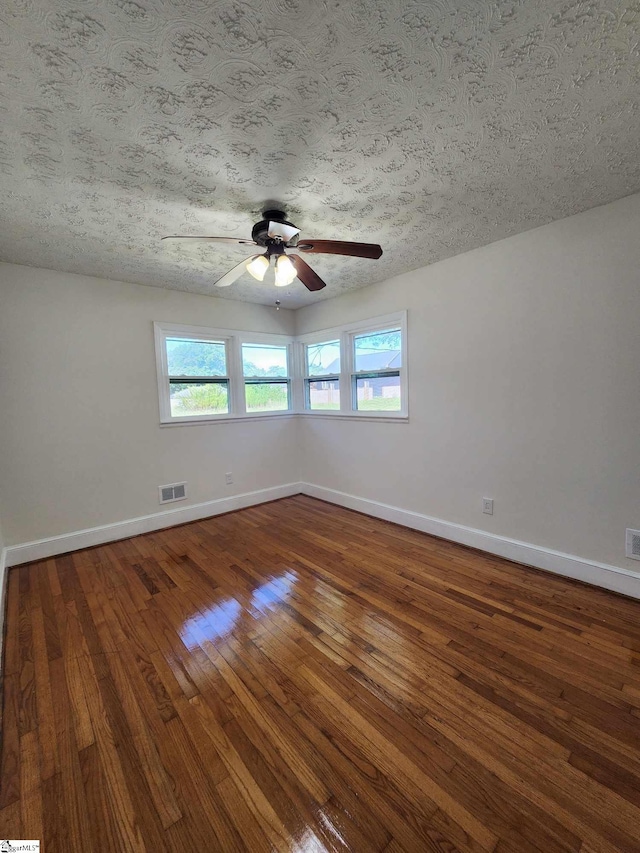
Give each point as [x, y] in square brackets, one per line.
[285, 271]
[283, 230]
[258, 267]
[275, 234]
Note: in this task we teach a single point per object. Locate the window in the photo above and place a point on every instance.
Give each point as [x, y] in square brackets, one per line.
[375, 381]
[198, 379]
[208, 374]
[266, 377]
[358, 370]
[322, 376]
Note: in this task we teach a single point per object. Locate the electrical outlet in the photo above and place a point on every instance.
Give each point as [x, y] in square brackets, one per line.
[228, 478]
[487, 506]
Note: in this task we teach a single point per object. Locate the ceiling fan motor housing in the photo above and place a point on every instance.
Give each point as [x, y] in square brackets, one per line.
[260, 231]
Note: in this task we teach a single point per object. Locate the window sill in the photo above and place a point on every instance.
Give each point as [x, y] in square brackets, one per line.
[378, 418]
[226, 420]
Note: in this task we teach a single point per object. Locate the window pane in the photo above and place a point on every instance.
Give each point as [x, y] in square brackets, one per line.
[378, 352]
[378, 394]
[196, 358]
[323, 394]
[264, 360]
[198, 398]
[267, 396]
[323, 358]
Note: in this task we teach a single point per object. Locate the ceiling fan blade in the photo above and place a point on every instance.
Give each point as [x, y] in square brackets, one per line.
[281, 229]
[235, 273]
[341, 247]
[233, 240]
[307, 276]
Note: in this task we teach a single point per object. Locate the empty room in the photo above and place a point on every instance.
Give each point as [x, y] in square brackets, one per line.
[320, 426]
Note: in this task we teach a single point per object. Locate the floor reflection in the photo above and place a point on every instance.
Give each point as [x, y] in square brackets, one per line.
[265, 597]
[219, 620]
[214, 624]
[309, 843]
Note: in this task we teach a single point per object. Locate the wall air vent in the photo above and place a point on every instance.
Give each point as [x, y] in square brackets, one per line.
[633, 544]
[172, 492]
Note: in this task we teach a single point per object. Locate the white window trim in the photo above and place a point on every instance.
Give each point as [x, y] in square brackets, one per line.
[345, 334]
[234, 339]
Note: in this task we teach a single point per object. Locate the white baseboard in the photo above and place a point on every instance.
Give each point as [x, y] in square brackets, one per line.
[43, 548]
[3, 592]
[598, 574]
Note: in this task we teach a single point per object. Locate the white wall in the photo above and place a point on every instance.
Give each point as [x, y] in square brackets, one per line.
[524, 373]
[80, 441]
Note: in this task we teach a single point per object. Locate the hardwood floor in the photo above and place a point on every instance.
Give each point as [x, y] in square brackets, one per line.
[299, 677]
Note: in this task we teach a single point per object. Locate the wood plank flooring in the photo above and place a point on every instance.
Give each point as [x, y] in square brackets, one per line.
[299, 677]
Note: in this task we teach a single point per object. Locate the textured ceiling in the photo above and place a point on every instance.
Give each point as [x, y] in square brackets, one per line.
[428, 127]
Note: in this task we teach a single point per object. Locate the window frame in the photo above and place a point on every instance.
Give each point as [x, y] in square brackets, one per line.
[346, 334]
[233, 340]
[297, 364]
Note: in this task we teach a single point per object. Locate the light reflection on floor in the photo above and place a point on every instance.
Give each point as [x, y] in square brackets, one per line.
[330, 827]
[219, 620]
[309, 843]
[272, 592]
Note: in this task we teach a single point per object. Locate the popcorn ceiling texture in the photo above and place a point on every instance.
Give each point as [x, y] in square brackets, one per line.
[428, 127]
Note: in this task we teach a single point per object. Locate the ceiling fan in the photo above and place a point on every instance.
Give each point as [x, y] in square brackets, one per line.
[275, 234]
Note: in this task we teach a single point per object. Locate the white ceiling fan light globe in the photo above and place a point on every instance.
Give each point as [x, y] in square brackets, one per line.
[235, 273]
[258, 267]
[285, 271]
